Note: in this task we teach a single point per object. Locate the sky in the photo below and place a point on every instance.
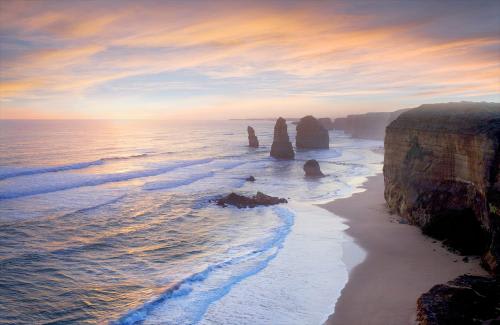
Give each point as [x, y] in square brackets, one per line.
[243, 59]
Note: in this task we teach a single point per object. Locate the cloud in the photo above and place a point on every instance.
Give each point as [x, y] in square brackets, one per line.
[325, 51]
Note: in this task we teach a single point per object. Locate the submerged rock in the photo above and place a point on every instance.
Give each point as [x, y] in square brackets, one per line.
[253, 141]
[466, 300]
[281, 147]
[241, 201]
[311, 168]
[442, 173]
[311, 134]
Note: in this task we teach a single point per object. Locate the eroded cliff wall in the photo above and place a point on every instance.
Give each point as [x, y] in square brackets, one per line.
[441, 172]
[366, 126]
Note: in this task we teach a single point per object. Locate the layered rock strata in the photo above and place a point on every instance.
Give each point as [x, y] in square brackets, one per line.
[441, 172]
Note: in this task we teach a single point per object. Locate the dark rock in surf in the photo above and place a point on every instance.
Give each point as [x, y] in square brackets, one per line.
[311, 168]
[281, 147]
[253, 141]
[311, 134]
[250, 179]
[466, 300]
[241, 201]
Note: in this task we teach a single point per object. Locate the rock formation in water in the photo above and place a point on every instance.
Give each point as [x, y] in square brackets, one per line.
[366, 126]
[250, 179]
[311, 168]
[241, 201]
[281, 147]
[326, 122]
[311, 134]
[252, 138]
[466, 300]
[441, 172]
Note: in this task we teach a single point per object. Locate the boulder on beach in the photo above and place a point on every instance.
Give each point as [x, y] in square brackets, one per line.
[311, 168]
[466, 300]
[281, 147]
[253, 141]
[241, 201]
[311, 134]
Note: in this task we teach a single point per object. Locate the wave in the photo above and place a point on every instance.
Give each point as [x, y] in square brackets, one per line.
[7, 172]
[258, 259]
[94, 180]
[163, 185]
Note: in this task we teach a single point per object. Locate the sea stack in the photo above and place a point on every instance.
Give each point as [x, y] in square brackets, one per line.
[311, 134]
[442, 173]
[281, 147]
[252, 138]
[326, 122]
[311, 168]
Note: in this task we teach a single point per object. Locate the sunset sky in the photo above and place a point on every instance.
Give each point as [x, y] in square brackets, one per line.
[196, 60]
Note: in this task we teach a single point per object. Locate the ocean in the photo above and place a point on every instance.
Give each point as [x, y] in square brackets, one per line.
[113, 222]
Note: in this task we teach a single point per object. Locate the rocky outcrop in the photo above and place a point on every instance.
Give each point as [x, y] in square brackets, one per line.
[241, 201]
[252, 138]
[466, 300]
[311, 168]
[311, 134]
[441, 172]
[326, 122]
[366, 126]
[281, 147]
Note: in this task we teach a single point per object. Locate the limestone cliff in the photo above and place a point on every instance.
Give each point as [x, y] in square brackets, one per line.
[366, 126]
[441, 172]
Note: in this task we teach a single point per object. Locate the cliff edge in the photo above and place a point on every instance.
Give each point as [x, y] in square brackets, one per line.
[441, 172]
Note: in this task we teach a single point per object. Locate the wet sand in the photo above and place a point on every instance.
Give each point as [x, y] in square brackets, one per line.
[401, 262]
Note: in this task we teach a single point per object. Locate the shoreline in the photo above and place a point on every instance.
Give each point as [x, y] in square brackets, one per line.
[400, 264]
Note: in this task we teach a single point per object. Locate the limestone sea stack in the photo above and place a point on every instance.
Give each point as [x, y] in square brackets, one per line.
[326, 122]
[311, 134]
[441, 172]
[312, 169]
[281, 147]
[253, 141]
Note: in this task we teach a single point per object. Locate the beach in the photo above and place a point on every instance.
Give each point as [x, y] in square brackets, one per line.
[401, 263]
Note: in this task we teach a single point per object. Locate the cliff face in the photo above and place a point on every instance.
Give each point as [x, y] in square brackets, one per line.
[441, 172]
[366, 126]
[311, 134]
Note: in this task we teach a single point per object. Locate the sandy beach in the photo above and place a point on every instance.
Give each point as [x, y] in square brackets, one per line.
[401, 262]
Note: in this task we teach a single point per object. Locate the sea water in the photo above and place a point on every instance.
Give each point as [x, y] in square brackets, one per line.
[113, 222]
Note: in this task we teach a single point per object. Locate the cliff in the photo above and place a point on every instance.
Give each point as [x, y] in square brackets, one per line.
[441, 172]
[366, 126]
